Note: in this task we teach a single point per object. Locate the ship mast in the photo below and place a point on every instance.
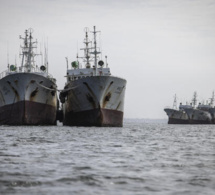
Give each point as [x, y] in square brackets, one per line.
[194, 100]
[24, 52]
[86, 57]
[46, 57]
[27, 51]
[212, 99]
[175, 102]
[95, 50]
[87, 54]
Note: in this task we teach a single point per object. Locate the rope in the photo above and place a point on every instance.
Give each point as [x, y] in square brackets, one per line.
[46, 87]
[62, 90]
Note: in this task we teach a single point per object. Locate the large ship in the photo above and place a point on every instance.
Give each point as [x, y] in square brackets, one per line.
[177, 116]
[92, 96]
[28, 92]
[199, 114]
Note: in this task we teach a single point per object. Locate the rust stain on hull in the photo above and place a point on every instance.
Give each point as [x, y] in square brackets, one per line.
[33, 94]
[106, 99]
[109, 85]
[94, 99]
[14, 90]
[107, 95]
[91, 100]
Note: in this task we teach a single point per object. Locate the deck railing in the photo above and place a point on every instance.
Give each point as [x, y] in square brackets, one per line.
[22, 70]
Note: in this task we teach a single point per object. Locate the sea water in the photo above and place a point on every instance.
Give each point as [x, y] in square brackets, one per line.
[143, 157]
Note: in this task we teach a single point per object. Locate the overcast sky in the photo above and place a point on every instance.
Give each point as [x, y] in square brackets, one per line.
[161, 47]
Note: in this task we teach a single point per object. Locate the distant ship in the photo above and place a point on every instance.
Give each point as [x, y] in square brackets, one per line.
[28, 93]
[177, 116]
[190, 114]
[92, 96]
[202, 114]
[212, 108]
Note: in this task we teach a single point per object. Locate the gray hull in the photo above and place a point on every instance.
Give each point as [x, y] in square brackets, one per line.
[27, 99]
[176, 116]
[197, 116]
[94, 101]
[212, 112]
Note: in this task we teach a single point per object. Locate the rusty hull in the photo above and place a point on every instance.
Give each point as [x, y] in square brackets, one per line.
[96, 117]
[197, 116]
[188, 116]
[177, 121]
[176, 116]
[27, 99]
[94, 101]
[27, 113]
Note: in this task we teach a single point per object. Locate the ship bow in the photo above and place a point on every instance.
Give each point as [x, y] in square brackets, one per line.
[94, 101]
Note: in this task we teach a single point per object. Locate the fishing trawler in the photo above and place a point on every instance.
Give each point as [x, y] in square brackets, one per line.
[199, 114]
[177, 116]
[92, 96]
[28, 92]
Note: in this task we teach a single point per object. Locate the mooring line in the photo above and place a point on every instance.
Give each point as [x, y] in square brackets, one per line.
[46, 87]
[59, 90]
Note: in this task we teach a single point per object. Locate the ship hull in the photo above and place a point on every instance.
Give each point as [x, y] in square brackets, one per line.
[212, 112]
[27, 113]
[94, 101]
[177, 121]
[197, 116]
[95, 117]
[27, 99]
[199, 122]
[176, 116]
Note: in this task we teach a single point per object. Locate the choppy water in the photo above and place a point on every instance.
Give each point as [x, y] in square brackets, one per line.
[140, 158]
